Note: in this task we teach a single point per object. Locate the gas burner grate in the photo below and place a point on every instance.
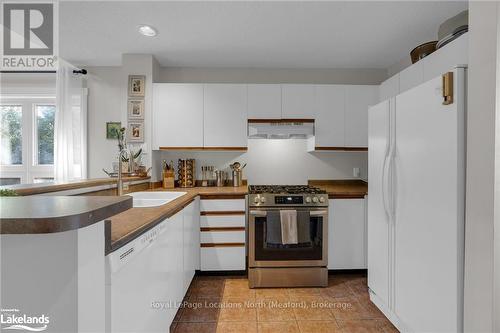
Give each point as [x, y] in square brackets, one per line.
[284, 189]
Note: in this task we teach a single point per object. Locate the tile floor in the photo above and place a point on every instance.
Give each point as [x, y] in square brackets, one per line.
[226, 304]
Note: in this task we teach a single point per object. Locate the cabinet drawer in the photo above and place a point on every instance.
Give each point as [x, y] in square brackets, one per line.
[223, 258]
[216, 221]
[222, 237]
[222, 205]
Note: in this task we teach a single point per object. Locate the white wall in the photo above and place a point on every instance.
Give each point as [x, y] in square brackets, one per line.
[478, 307]
[104, 105]
[277, 162]
[107, 102]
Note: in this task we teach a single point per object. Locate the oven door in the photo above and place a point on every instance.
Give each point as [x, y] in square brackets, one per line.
[266, 249]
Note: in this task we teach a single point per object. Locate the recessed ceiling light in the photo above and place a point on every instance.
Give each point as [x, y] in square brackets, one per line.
[147, 30]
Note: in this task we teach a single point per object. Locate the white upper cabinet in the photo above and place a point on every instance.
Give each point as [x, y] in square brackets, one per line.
[329, 120]
[445, 59]
[177, 110]
[264, 101]
[357, 100]
[441, 61]
[389, 88]
[225, 115]
[411, 77]
[297, 101]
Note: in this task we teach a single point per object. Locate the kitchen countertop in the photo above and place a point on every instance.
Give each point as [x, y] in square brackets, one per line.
[342, 189]
[32, 189]
[130, 224]
[51, 214]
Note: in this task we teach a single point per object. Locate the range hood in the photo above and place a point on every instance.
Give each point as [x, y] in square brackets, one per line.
[280, 128]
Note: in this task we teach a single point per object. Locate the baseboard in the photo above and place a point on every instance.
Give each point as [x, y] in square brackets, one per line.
[220, 273]
[347, 271]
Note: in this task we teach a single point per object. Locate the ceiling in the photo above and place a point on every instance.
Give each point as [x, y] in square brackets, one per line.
[253, 34]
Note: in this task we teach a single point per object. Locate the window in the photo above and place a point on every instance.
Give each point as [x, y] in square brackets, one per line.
[11, 135]
[27, 139]
[45, 116]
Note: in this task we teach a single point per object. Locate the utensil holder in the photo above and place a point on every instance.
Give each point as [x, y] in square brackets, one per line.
[168, 179]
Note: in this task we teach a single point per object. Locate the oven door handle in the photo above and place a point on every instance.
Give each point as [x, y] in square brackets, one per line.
[317, 212]
[261, 213]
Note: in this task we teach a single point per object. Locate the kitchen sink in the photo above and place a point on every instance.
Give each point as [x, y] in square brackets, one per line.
[153, 199]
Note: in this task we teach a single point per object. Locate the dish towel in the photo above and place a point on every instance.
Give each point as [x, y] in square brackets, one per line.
[289, 233]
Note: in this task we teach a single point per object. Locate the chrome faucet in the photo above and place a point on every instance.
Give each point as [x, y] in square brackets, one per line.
[119, 185]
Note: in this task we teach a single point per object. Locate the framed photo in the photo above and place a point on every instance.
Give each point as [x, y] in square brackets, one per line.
[136, 131]
[112, 130]
[136, 85]
[136, 108]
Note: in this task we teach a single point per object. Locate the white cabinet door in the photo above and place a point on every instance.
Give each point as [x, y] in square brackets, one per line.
[264, 101]
[411, 77]
[174, 246]
[177, 115]
[329, 122]
[226, 258]
[191, 236]
[389, 88]
[225, 115]
[346, 234]
[358, 99]
[377, 220]
[445, 59]
[297, 101]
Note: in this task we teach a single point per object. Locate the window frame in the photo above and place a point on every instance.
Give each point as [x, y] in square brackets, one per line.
[29, 169]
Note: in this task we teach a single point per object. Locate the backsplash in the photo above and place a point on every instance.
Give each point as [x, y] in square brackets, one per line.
[275, 162]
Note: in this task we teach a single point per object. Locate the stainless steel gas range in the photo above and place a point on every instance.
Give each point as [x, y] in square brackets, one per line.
[287, 236]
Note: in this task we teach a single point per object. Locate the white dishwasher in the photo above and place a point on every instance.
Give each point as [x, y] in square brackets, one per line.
[141, 281]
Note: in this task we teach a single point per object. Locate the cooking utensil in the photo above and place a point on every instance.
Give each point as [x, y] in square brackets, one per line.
[422, 51]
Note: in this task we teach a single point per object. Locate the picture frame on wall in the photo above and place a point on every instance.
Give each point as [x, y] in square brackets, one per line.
[112, 129]
[136, 85]
[135, 108]
[136, 131]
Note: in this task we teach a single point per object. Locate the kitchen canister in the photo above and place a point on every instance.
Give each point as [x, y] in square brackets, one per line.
[237, 177]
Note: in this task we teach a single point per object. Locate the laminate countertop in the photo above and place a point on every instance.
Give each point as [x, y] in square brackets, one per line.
[51, 214]
[130, 224]
[342, 189]
[32, 189]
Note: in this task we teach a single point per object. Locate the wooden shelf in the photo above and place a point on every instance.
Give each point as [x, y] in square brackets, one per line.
[340, 149]
[204, 148]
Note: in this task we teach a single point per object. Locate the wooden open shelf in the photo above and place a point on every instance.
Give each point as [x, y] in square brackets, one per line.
[204, 148]
[340, 149]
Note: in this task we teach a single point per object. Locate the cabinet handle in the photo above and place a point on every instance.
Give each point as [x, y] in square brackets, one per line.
[261, 213]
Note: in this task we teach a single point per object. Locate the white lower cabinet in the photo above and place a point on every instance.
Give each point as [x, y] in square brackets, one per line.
[222, 236]
[347, 234]
[222, 258]
[191, 237]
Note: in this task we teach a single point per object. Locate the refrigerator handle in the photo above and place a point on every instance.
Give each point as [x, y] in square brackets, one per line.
[385, 184]
[391, 183]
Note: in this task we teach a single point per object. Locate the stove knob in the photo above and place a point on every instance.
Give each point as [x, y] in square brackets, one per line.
[263, 199]
[256, 199]
[315, 199]
[308, 199]
[322, 199]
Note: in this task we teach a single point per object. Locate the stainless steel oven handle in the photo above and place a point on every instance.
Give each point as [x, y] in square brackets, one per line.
[317, 212]
[261, 213]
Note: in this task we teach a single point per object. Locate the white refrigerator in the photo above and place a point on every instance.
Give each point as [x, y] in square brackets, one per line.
[416, 158]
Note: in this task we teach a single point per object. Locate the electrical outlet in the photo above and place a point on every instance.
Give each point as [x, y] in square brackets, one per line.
[355, 172]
